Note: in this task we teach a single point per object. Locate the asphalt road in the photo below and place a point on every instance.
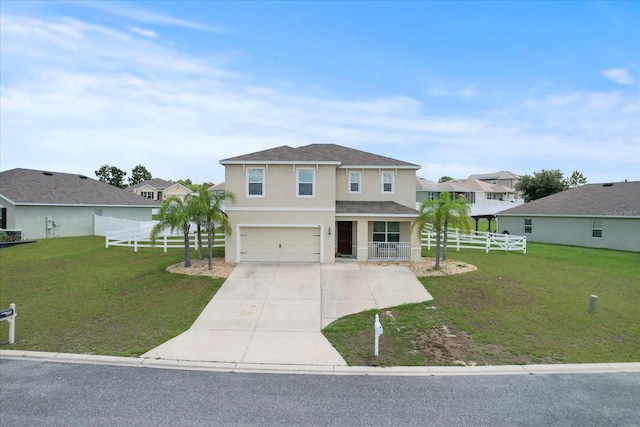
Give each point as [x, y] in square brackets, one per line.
[46, 393]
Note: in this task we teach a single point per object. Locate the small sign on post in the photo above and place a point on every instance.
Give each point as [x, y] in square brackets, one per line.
[377, 328]
[9, 314]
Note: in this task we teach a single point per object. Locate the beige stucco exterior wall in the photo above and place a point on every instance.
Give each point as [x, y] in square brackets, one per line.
[371, 186]
[280, 186]
[619, 233]
[175, 190]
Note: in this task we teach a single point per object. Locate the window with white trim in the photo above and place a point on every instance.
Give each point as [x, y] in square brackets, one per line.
[354, 182]
[387, 182]
[147, 194]
[255, 182]
[528, 225]
[596, 229]
[306, 182]
[386, 231]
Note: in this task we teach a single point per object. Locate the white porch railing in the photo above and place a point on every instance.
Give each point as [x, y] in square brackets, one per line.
[476, 240]
[389, 251]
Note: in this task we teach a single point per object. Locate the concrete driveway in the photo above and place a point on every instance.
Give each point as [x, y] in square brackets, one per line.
[273, 313]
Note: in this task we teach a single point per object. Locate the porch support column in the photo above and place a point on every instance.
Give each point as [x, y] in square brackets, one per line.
[416, 244]
[362, 244]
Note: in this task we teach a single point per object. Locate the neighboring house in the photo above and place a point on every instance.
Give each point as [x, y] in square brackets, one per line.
[504, 178]
[485, 196]
[51, 204]
[217, 189]
[159, 189]
[317, 201]
[592, 215]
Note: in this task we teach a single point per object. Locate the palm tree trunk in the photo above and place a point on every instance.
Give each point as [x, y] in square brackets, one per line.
[199, 231]
[210, 240]
[187, 249]
[438, 250]
[446, 237]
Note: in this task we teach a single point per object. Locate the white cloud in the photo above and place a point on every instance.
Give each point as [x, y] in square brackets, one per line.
[619, 75]
[143, 32]
[144, 15]
[77, 95]
[443, 92]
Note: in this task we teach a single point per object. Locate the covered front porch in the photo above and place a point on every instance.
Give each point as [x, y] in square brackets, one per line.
[376, 231]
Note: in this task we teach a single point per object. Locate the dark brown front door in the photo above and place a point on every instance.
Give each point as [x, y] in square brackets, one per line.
[345, 229]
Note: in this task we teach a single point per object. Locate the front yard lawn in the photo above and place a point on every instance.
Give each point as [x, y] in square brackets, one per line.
[73, 295]
[515, 309]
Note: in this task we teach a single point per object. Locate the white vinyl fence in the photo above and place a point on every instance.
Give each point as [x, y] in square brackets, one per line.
[476, 240]
[137, 234]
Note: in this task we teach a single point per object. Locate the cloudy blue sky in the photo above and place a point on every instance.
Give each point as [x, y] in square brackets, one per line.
[457, 87]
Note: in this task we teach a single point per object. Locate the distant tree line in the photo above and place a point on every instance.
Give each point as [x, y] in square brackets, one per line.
[115, 176]
[547, 182]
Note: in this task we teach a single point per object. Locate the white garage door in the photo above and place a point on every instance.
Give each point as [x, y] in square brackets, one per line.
[280, 244]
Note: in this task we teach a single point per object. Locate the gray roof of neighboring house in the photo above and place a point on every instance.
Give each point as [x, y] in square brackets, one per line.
[36, 187]
[157, 183]
[320, 153]
[495, 175]
[375, 208]
[473, 184]
[460, 186]
[611, 199]
[217, 187]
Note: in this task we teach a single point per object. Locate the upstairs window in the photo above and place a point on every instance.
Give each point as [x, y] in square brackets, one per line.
[354, 182]
[596, 229]
[255, 182]
[306, 182]
[147, 194]
[528, 225]
[387, 182]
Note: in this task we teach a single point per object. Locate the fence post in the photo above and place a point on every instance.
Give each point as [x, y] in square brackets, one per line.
[106, 240]
[165, 242]
[488, 244]
[457, 240]
[524, 244]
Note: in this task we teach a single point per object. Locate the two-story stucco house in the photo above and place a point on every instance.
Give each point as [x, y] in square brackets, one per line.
[319, 201]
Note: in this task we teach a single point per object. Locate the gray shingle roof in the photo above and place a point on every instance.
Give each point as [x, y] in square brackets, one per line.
[321, 153]
[495, 175]
[373, 208]
[617, 199]
[157, 183]
[28, 186]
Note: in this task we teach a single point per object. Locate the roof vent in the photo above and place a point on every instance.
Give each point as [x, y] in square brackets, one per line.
[82, 177]
[608, 184]
[47, 173]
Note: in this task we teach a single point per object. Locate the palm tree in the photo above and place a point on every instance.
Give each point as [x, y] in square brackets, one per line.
[175, 213]
[197, 208]
[457, 212]
[213, 215]
[434, 212]
[439, 213]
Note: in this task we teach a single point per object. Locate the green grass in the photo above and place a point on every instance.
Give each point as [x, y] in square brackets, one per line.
[517, 308]
[73, 295]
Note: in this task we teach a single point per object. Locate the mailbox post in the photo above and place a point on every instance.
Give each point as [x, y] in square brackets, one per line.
[377, 328]
[9, 314]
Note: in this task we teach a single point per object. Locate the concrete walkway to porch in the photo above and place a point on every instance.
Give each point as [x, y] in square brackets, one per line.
[269, 313]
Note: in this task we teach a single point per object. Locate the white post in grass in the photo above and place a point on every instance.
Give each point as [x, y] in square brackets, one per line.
[593, 302]
[377, 328]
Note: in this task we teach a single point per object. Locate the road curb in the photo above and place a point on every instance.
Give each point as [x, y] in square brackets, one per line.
[139, 362]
